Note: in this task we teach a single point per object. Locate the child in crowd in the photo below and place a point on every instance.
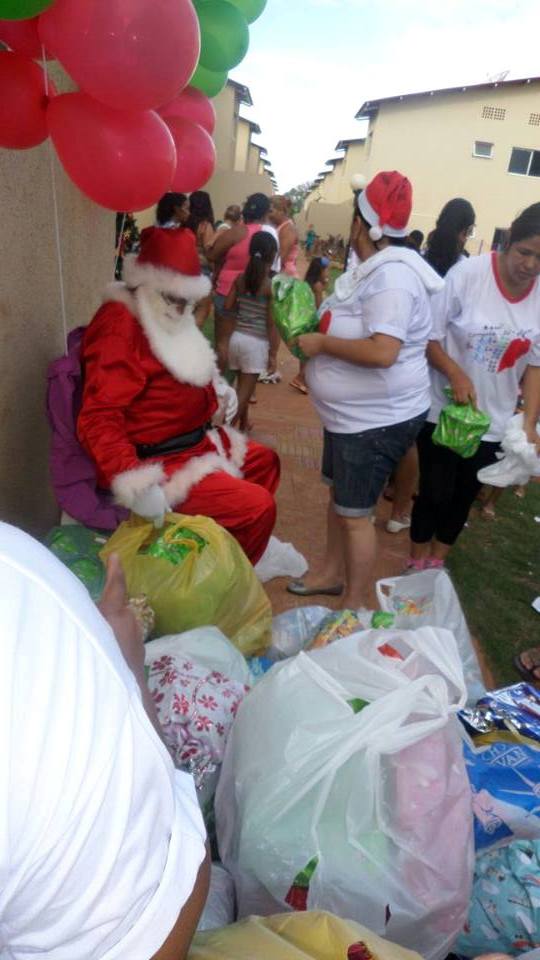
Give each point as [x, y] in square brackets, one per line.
[318, 277]
[254, 343]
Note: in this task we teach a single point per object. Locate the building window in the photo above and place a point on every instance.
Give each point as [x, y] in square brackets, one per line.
[534, 119]
[483, 149]
[525, 162]
[493, 113]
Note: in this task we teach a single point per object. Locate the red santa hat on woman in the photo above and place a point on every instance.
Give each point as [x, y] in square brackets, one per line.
[386, 205]
[168, 262]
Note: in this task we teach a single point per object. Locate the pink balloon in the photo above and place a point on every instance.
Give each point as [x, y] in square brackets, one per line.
[129, 54]
[192, 105]
[123, 161]
[23, 104]
[196, 155]
[22, 36]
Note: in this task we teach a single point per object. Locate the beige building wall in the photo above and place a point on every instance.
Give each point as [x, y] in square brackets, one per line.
[242, 147]
[431, 140]
[31, 333]
[254, 155]
[227, 106]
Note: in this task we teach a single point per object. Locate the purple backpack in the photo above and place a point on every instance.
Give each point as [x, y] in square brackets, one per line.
[73, 472]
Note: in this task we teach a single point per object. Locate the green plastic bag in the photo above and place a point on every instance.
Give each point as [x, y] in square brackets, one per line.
[294, 310]
[78, 548]
[461, 427]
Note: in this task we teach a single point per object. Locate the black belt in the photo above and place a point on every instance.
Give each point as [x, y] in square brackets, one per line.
[182, 442]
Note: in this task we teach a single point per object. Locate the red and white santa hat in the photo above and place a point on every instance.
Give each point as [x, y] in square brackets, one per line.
[386, 204]
[169, 263]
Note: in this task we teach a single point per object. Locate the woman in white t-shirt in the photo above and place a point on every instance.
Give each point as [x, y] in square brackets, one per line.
[102, 846]
[487, 340]
[369, 380]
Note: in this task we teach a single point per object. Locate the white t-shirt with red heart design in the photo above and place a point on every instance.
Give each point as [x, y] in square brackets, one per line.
[492, 337]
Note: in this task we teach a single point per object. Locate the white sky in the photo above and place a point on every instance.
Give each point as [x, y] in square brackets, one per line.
[312, 63]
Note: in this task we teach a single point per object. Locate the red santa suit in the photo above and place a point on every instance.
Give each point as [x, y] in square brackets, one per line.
[150, 382]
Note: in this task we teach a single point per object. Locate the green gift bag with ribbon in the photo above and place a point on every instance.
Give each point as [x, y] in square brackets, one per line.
[294, 310]
[460, 427]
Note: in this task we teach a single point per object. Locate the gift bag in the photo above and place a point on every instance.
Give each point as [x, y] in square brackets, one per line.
[293, 309]
[344, 788]
[307, 936]
[504, 915]
[428, 598]
[505, 780]
[200, 577]
[460, 427]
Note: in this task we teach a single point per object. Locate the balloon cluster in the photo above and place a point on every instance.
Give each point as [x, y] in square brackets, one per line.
[142, 120]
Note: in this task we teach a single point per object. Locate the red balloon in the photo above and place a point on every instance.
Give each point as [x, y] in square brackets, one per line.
[192, 105]
[23, 104]
[196, 155]
[22, 36]
[123, 161]
[129, 54]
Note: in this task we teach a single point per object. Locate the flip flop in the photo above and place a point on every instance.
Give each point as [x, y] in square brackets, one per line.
[299, 589]
[528, 675]
[296, 385]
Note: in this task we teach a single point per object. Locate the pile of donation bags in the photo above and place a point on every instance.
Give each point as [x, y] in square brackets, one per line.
[343, 782]
[502, 753]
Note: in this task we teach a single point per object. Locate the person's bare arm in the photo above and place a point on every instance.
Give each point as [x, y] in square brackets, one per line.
[379, 350]
[463, 389]
[273, 337]
[232, 298]
[287, 240]
[531, 404]
[224, 241]
[318, 290]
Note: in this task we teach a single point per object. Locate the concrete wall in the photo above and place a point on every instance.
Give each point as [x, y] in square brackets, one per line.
[242, 146]
[327, 218]
[30, 317]
[227, 187]
[431, 139]
[227, 107]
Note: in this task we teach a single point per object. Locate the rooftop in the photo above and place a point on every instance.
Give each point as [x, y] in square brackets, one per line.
[242, 92]
[370, 107]
[345, 144]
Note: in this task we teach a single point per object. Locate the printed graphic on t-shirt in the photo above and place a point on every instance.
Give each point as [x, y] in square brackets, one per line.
[325, 321]
[498, 350]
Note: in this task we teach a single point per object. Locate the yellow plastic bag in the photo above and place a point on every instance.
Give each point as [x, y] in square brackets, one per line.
[293, 936]
[213, 584]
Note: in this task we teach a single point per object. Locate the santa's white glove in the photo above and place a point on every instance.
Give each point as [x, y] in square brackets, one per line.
[152, 504]
[228, 400]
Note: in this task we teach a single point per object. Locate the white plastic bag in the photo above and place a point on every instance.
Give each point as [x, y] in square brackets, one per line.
[519, 461]
[293, 629]
[280, 560]
[429, 599]
[375, 804]
[219, 910]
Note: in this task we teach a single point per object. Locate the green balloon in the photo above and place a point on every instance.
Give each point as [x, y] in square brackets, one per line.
[224, 35]
[207, 81]
[22, 9]
[251, 9]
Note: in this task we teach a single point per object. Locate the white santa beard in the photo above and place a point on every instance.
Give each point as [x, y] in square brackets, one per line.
[175, 339]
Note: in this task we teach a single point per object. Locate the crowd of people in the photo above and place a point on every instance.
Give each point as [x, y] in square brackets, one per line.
[105, 854]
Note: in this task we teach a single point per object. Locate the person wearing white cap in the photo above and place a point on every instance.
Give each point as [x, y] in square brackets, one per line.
[102, 847]
[368, 378]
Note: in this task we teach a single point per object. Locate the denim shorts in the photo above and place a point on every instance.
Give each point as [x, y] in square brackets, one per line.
[357, 465]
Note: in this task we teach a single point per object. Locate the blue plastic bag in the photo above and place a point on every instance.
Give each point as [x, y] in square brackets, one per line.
[505, 780]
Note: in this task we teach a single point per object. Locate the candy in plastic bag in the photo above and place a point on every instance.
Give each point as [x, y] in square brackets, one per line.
[78, 548]
[337, 624]
[293, 309]
[174, 544]
[513, 710]
[461, 427]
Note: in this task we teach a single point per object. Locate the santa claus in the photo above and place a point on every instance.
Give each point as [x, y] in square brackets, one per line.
[150, 401]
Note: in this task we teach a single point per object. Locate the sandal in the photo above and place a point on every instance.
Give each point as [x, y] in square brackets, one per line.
[299, 589]
[298, 385]
[530, 675]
